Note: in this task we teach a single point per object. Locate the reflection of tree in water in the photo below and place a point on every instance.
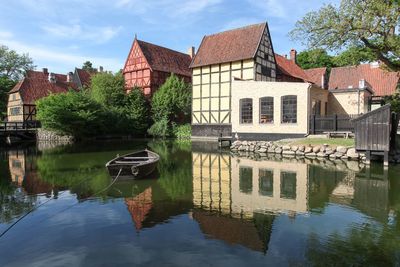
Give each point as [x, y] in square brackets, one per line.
[175, 168]
[367, 245]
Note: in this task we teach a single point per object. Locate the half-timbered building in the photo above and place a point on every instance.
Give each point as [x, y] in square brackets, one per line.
[21, 105]
[149, 65]
[242, 54]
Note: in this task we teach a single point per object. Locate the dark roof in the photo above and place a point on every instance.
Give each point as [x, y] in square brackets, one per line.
[290, 68]
[315, 75]
[382, 82]
[227, 46]
[36, 85]
[165, 59]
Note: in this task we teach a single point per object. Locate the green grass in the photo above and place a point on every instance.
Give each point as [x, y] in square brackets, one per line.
[334, 142]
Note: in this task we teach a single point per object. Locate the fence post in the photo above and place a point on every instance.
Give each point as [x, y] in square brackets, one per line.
[313, 124]
[335, 123]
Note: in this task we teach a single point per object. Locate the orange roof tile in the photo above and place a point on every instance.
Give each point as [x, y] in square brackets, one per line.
[315, 75]
[382, 82]
[288, 67]
[227, 46]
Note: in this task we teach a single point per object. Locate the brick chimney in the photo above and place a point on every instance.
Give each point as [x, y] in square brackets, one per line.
[101, 69]
[52, 77]
[293, 55]
[191, 51]
[45, 71]
[70, 77]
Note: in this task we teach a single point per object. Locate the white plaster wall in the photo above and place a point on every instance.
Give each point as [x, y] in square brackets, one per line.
[256, 90]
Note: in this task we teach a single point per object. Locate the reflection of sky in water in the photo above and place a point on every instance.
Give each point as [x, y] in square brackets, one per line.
[178, 230]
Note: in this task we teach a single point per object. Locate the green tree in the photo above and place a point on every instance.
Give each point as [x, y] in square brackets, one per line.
[108, 89]
[5, 86]
[14, 65]
[137, 111]
[88, 66]
[354, 55]
[172, 100]
[314, 58]
[371, 24]
[72, 113]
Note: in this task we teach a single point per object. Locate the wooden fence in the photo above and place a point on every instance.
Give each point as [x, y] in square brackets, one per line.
[331, 123]
[18, 126]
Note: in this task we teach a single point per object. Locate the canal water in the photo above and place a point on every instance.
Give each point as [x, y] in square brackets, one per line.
[203, 207]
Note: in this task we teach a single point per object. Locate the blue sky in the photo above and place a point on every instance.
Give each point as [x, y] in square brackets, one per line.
[60, 34]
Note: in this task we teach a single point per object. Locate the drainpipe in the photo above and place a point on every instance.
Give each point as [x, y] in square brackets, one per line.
[359, 92]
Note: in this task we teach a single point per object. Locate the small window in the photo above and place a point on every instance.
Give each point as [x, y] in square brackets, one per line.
[246, 110]
[15, 111]
[265, 182]
[13, 97]
[266, 110]
[289, 109]
[288, 185]
[246, 180]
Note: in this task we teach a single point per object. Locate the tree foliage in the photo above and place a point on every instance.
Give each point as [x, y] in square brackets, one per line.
[108, 89]
[354, 55]
[314, 58]
[5, 86]
[172, 100]
[14, 65]
[372, 24]
[88, 66]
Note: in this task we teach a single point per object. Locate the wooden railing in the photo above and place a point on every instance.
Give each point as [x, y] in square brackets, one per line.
[331, 123]
[15, 126]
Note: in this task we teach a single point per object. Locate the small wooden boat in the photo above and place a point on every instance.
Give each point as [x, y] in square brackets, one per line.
[134, 165]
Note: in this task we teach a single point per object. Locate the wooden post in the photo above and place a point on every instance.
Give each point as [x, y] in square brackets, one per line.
[386, 158]
[335, 123]
[313, 124]
[368, 157]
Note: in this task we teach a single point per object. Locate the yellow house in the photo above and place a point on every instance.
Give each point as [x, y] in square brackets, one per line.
[244, 54]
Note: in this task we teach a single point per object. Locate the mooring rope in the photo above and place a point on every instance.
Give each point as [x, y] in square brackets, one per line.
[52, 198]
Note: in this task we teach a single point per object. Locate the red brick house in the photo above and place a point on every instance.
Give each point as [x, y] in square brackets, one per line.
[149, 65]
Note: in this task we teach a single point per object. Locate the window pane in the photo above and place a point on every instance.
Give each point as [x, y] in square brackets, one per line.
[289, 109]
[266, 110]
[246, 110]
[288, 185]
[246, 180]
[265, 182]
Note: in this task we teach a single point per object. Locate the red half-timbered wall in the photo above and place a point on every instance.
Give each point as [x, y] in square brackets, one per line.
[137, 71]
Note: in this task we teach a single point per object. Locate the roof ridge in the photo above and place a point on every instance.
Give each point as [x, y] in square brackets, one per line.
[236, 29]
[163, 47]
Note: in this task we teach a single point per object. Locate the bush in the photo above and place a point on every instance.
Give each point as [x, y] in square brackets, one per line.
[108, 89]
[72, 113]
[160, 128]
[172, 101]
[182, 131]
[136, 110]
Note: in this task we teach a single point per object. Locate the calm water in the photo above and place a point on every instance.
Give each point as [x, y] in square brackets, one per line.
[202, 208]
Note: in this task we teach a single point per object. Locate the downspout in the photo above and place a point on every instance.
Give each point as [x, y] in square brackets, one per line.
[359, 92]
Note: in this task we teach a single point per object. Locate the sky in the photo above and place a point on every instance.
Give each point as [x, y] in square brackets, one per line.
[60, 35]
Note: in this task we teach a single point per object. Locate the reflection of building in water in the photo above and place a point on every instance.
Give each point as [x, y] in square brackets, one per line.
[24, 174]
[241, 186]
[139, 207]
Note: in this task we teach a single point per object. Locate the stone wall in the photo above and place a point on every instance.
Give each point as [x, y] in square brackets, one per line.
[308, 151]
[45, 135]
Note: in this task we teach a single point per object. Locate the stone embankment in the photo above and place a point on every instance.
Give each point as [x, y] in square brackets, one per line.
[308, 151]
[45, 135]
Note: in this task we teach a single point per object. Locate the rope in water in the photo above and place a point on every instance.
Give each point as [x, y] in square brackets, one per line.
[52, 198]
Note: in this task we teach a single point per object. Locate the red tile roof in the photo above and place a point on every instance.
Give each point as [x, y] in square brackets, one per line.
[227, 46]
[36, 85]
[288, 67]
[84, 76]
[165, 59]
[382, 82]
[315, 75]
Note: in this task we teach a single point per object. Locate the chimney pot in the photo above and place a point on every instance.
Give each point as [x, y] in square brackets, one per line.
[361, 84]
[191, 51]
[293, 55]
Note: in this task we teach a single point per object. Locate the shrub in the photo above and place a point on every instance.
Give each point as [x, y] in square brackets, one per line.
[182, 131]
[108, 89]
[160, 128]
[136, 110]
[72, 113]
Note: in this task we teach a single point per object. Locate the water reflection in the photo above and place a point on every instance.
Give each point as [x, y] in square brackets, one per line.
[279, 210]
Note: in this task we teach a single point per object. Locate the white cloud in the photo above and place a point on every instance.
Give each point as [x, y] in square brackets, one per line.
[5, 35]
[272, 8]
[77, 31]
[59, 61]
